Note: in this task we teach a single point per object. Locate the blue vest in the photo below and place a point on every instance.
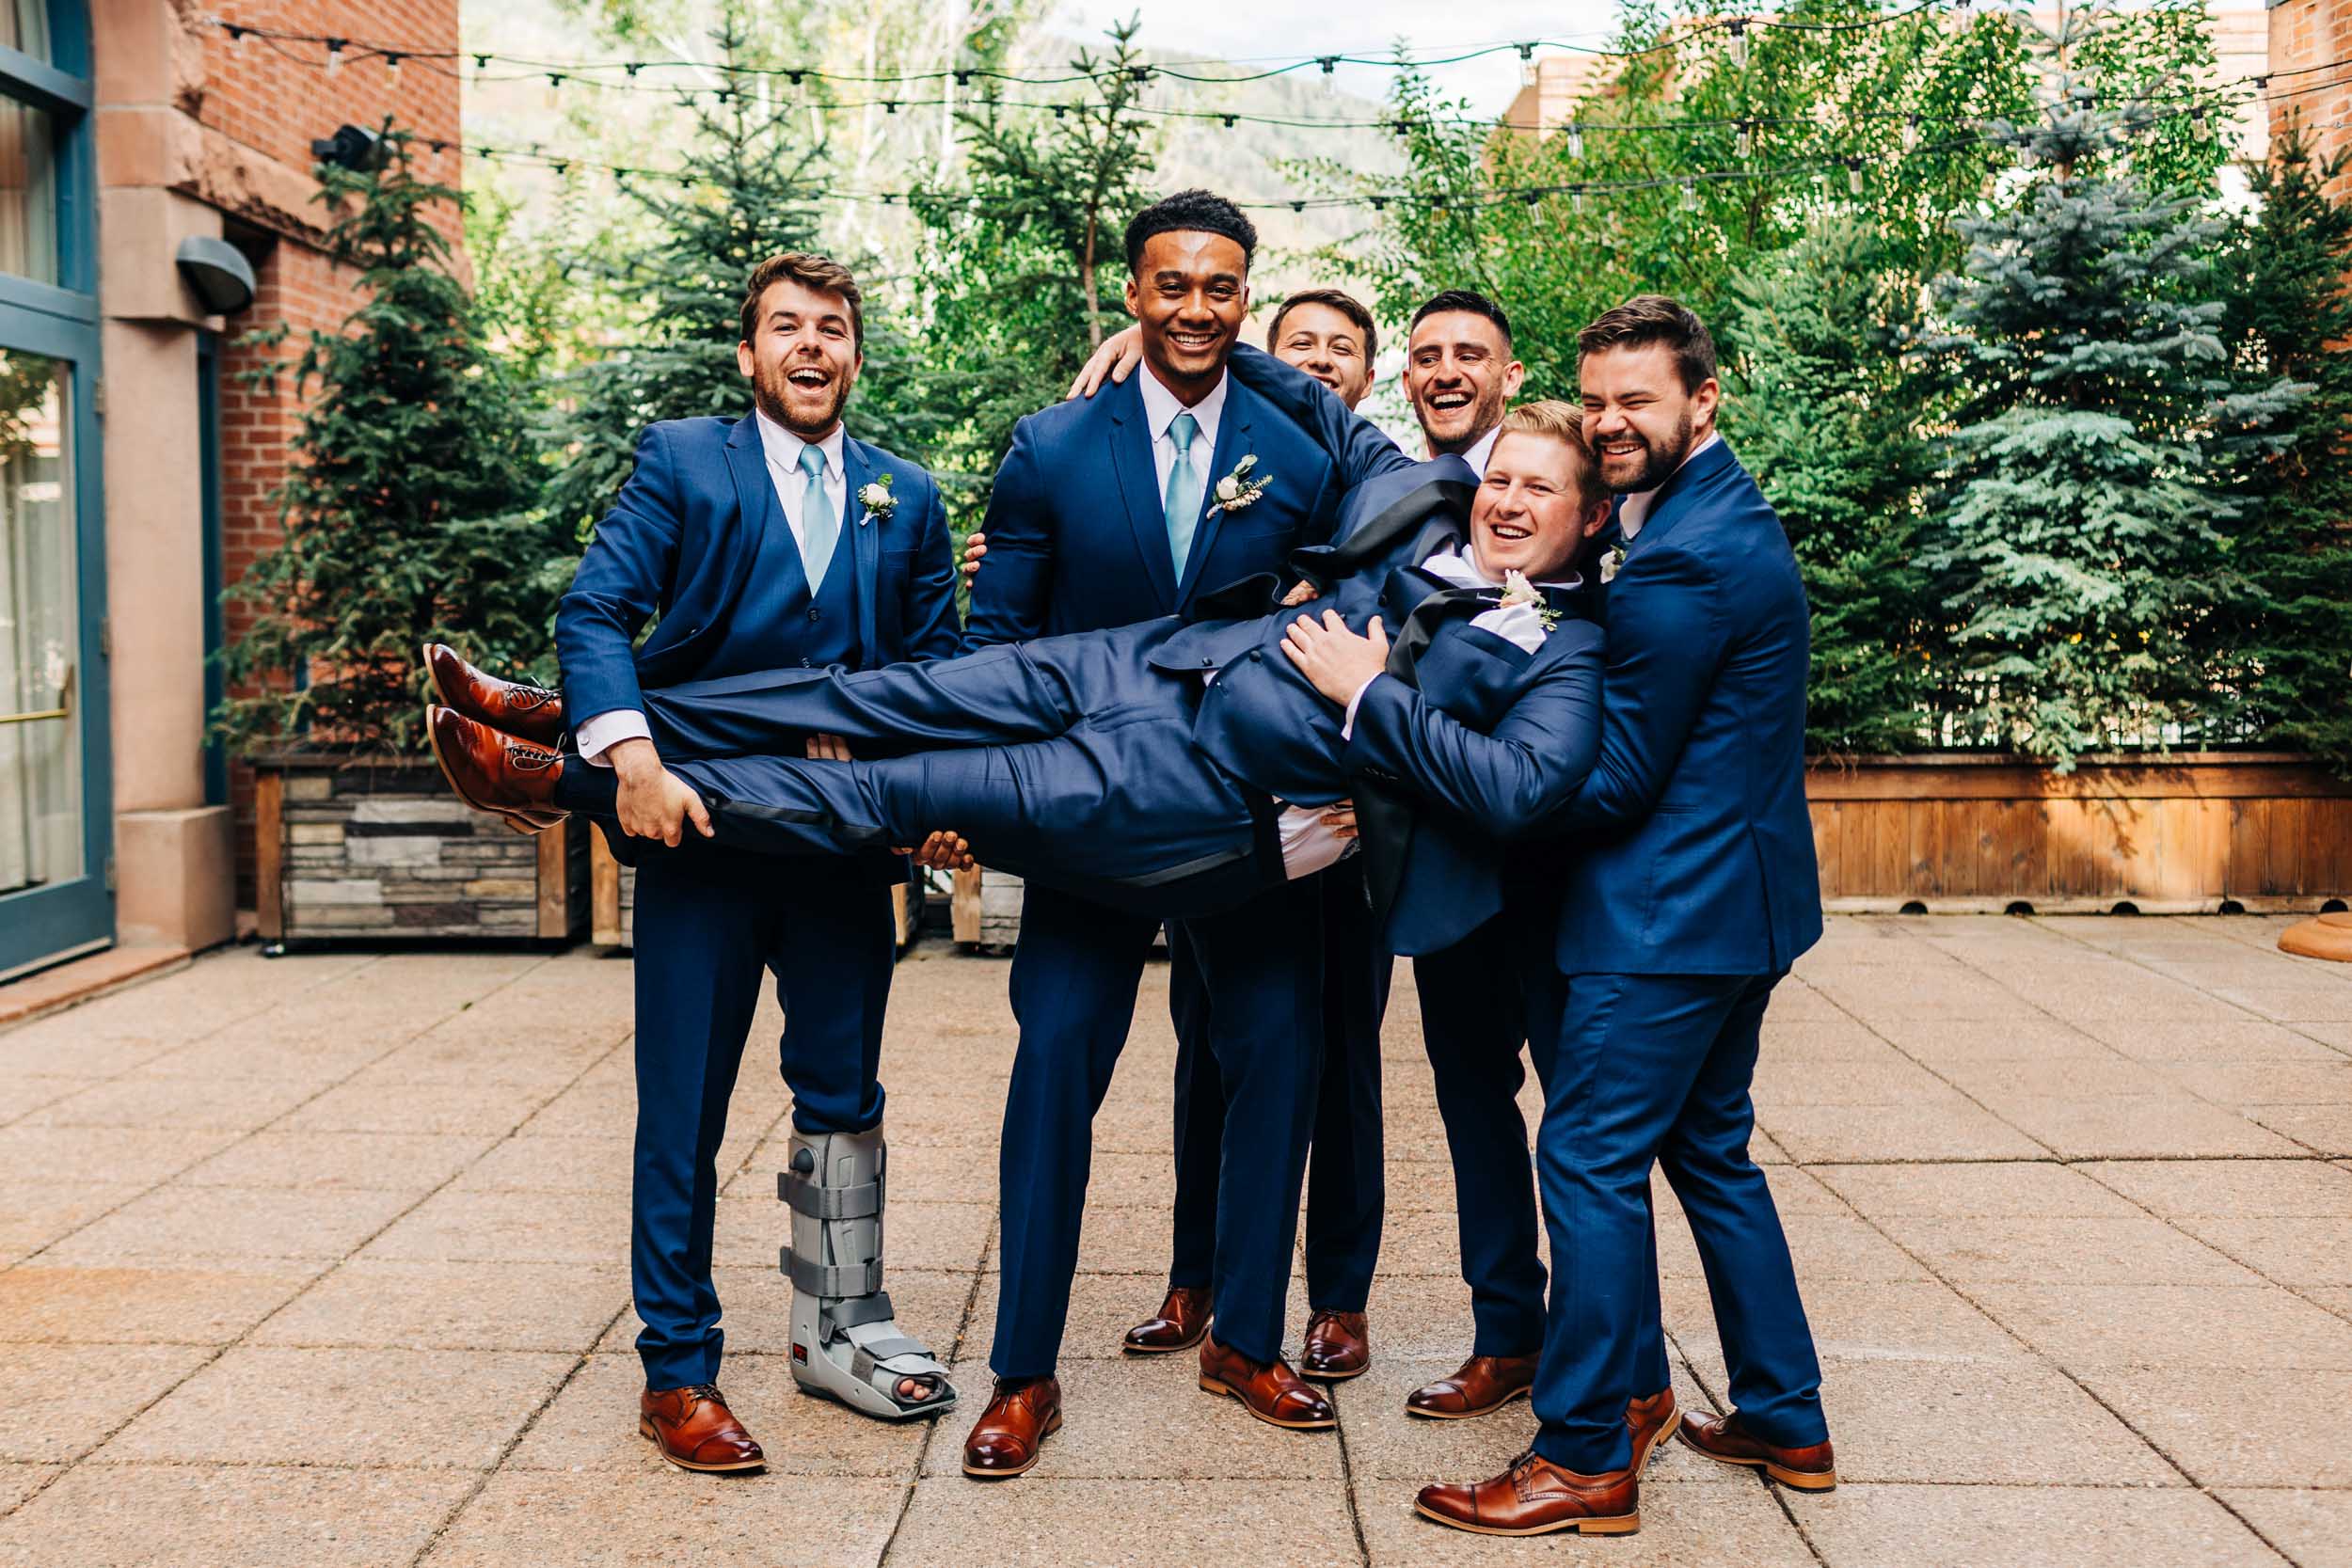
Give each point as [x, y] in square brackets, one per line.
[778, 624]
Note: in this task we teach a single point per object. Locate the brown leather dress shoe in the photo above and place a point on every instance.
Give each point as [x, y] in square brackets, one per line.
[530, 713]
[493, 773]
[695, 1430]
[1485, 1384]
[1651, 1422]
[1011, 1432]
[1339, 1345]
[1535, 1497]
[1268, 1389]
[1723, 1439]
[1182, 1321]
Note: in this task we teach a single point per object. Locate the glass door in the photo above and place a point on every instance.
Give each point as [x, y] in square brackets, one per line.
[55, 803]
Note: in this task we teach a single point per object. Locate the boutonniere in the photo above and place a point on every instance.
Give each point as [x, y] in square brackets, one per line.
[1238, 488]
[1517, 591]
[1611, 559]
[878, 500]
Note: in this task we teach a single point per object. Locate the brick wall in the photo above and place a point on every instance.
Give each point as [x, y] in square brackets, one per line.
[273, 98]
[2303, 34]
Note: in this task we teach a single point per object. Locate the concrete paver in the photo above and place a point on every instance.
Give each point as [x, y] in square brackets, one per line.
[325, 1260]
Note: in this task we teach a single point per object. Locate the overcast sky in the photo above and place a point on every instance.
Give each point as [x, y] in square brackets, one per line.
[1240, 29]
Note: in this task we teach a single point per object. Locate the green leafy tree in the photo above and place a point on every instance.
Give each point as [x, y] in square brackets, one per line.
[1025, 264]
[2289, 313]
[1821, 402]
[2082, 547]
[406, 504]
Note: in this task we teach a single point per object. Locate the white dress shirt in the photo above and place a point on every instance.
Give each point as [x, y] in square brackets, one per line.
[1520, 624]
[1481, 450]
[1634, 511]
[782, 449]
[1160, 408]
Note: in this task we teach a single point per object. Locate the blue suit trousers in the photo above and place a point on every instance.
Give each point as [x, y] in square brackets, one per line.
[1346, 1194]
[1648, 1070]
[1073, 990]
[706, 932]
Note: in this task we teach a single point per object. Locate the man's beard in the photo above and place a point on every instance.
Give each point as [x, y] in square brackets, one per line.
[1485, 415]
[1659, 462]
[768, 391]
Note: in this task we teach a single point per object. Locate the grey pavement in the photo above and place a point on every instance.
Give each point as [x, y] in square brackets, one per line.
[321, 1260]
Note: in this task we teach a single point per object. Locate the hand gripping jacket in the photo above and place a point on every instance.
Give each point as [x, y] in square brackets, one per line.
[846, 1341]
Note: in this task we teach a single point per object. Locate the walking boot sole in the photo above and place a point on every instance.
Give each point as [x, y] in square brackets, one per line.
[1622, 1524]
[1132, 1348]
[1217, 1385]
[978, 1473]
[1468, 1414]
[645, 1429]
[1802, 1481]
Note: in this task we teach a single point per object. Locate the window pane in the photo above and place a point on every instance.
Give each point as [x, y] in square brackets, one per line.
[24, 27]
[40, 757]
[28, 191]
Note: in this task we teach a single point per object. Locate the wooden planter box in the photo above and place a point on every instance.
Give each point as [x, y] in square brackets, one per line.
[613, 899]
[2185, 834]
[377, 849]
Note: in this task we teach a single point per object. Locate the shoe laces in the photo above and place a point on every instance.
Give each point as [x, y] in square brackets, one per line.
[528, 697]
[700, 1391]
[536, 759]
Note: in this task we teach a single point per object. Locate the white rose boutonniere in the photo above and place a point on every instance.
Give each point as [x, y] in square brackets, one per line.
[1239, 488]
[1517, 591]
[876, 500]
[1610, 561]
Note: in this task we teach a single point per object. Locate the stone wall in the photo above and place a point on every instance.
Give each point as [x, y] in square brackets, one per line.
[390, 852]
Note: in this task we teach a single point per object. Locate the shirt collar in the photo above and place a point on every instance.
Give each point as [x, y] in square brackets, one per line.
[784, 448]
[1161, 406]
[1634, 510]
[1460, 567]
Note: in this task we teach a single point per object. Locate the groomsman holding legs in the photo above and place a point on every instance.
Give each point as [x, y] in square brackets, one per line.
[763, 540]
[1693, 890]
[1106, 512]
[1330, 336]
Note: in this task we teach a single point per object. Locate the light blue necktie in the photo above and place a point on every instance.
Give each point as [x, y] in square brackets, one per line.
[819, 527]
[1182, 504]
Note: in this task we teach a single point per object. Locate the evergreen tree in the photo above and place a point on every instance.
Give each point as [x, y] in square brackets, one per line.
[404, 506]
[741, 195]
[2081, 545]
[2290, 313]
[1028, 252]
[1822, 406]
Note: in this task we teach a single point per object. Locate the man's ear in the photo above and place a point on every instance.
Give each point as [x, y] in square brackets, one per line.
[743, 360]
[1131, 298]
[1598, 519]
[1513, 374]
[1709, 397]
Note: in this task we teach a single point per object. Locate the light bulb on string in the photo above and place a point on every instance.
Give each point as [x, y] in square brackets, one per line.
[1576, 141]
[1576, 202]
[391, 68]
[1527, 65]
[334, 55]
[1743, 142]
[1690, 196]
[1853, 177]
[1739, 43]
[236, 38]
[1330, 64]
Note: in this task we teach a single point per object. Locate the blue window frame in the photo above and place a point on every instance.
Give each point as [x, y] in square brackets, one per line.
[56, 816]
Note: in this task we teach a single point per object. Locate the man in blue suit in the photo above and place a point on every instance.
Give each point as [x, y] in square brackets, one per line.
[1062, 560]
[772, 540]
[1692, 891]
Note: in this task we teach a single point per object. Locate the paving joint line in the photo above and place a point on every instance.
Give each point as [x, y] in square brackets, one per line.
[243, 1336]
[931, 1433]
[1721, 1403]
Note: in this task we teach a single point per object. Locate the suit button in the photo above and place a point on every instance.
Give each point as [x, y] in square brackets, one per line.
[1208, 664]
[805, 665]
[814, 613]
[1255, 653]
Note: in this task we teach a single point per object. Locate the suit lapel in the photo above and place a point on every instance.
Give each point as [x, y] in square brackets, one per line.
[755, 500]
[1672, 500]
[1131, 460]
[865, 545]
[1233, 444]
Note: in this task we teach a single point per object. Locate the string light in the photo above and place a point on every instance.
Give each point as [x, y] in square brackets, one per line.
[334, 55]
[392, 67]
[1690, 196]
[1743, 143]
[1576, 141]
[1738, 26]
[1527, 65]
[1853, 177]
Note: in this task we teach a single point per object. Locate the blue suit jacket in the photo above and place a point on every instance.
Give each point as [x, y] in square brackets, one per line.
[1077, 538]
[1696, 848]
[680, 541]
[1467, 742]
